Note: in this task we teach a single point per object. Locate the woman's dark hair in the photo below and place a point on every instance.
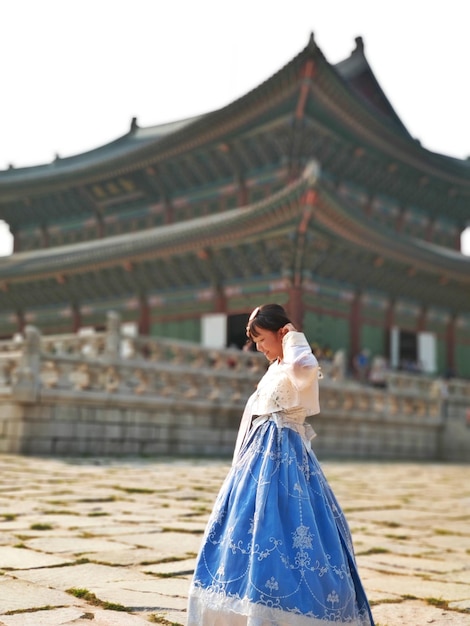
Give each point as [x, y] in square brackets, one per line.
[266, 317]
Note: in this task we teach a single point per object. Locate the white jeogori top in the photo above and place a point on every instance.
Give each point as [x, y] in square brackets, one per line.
[288, 386]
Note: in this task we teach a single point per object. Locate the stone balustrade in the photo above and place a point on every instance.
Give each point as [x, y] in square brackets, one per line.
[107, 393]
[381, 404]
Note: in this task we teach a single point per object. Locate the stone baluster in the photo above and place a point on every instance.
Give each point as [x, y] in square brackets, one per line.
[112, 350]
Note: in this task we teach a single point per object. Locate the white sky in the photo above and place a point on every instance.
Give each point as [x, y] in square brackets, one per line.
[74, 72]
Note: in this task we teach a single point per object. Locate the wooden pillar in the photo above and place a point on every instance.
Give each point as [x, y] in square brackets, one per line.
[144, 316]
[355, 326]
[220, 300]
[20, 320]
[76, 318]
[390, 315]
[295, 306]
[450, 345]
[421, 322]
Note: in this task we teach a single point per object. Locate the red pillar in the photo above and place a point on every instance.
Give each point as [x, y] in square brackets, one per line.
[421, 323]
[76, 318]
[144, 316]
[390, 315]
[295, 306]
[220, 301]
[20, 321]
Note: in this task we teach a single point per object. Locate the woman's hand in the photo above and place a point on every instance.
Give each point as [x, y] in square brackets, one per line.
[287, 328]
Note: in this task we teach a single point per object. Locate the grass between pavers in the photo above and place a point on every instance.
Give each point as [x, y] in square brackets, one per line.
[134, 489]
[160, 619]
[184, 531]
[170, 559]
[58, 512]
[90, 597]
[439, 603]
[47, 607]
[39, 526]
[374, 550]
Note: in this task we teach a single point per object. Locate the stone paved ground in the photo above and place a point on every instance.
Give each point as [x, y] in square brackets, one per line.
[114, 542]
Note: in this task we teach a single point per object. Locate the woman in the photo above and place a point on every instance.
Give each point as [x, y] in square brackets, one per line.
[277, 550]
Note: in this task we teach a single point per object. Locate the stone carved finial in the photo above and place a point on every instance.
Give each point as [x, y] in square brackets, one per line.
[112, 348]
[27, 383]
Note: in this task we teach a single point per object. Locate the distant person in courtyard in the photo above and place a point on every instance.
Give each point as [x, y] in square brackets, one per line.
[277, 550]
[361, 364]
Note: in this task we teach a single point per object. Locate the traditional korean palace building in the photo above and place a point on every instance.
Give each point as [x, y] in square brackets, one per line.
[308, 191]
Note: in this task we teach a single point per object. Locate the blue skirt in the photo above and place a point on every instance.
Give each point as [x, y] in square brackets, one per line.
[277, 550]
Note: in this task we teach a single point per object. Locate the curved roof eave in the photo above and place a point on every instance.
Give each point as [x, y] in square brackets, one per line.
[180, 237]
[141, 147]
[122, 147]
[352, 225]
[357, 72]
[145, 145]
[347, 105]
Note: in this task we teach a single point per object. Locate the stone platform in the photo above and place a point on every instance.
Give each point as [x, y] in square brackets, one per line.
[114, 541]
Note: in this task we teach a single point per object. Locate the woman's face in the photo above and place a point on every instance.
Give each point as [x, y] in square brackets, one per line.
[269, 342]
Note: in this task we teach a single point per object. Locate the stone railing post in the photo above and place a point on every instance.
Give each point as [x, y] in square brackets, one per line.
[112, 348]
[27, 384]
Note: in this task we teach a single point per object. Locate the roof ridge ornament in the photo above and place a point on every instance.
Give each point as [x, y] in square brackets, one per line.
[311, 41]
[359, 44]
[134, 125]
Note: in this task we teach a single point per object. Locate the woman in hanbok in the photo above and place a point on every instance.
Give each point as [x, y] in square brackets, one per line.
[277, 549]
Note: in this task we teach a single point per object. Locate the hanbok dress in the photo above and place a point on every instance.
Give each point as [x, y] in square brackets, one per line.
[277, 549]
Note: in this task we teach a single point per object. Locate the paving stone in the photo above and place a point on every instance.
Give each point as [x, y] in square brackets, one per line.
[20, 594]
[176, 568]
[86, 576]
[461, 605]
[74, 545]
[449, 542]
[397, 563]
[182, 543]
[409, 524]
[154, 594]
[415, 613]
[126, 557]
[111, 618]
[21, 558]
[414, 585]
[56, 617]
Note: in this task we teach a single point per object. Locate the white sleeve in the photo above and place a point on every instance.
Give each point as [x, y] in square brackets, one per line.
[298, 361]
